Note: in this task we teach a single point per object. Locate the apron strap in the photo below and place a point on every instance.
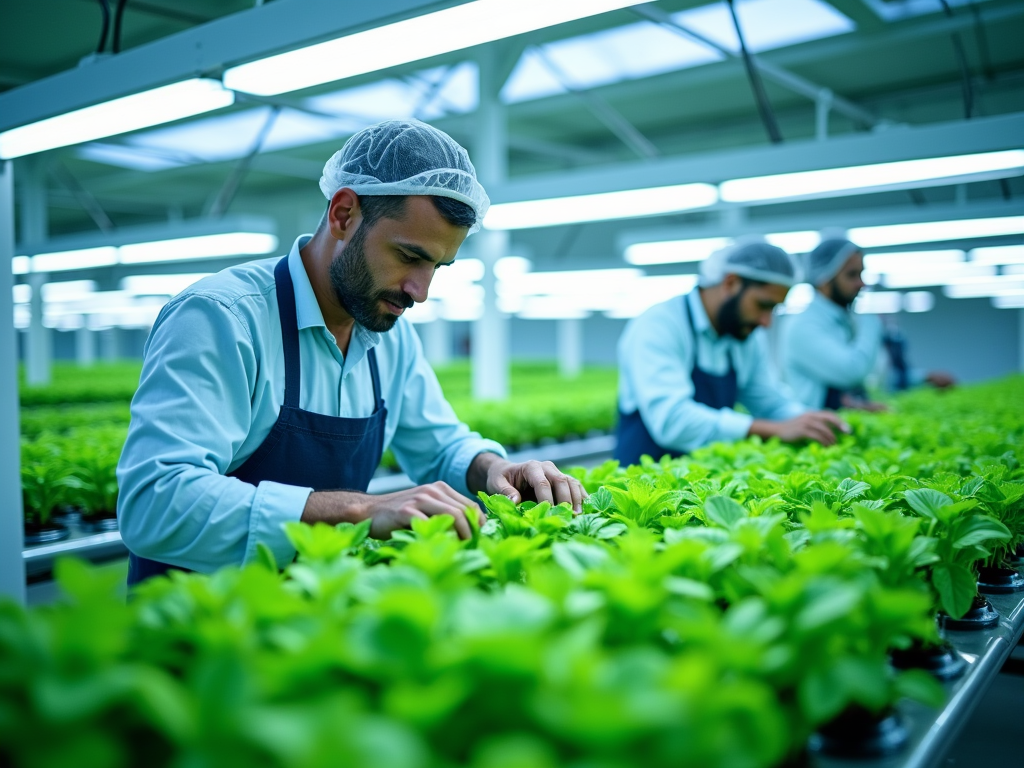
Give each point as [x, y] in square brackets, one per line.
[371, 356]
[289, 333]
[693, 332]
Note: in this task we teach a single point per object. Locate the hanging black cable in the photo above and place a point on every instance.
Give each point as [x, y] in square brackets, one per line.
[961, 60]
[764, 107]
[118, 14]
[982, 40]
[105, 10]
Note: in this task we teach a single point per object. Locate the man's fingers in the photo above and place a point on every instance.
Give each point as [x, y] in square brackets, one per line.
[560, 487]
[576, 491]
[836, 421]
[505, 488]
[535, 476]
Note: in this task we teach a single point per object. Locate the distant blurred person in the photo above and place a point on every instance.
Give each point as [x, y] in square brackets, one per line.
[685, 364]
[828, 351]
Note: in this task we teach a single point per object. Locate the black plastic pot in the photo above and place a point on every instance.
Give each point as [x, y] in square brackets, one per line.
[99, 523]
[941, 660]
[36, 533]
[981, 616]
[68, 515]
[1016, 559]
[858, 733]
[999, 581]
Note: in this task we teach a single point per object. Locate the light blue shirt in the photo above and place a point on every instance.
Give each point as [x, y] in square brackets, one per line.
[827, 346]
[211, 389]
[656, 356]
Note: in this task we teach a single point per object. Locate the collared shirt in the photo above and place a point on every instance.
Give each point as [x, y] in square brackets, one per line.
[656, 357]
[211, 389]
[827, 346]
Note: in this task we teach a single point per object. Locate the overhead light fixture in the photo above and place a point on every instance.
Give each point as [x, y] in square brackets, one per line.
[128, 113]
[919, 301]
[160, 285]
[674, 251]
[795, 242]
[432, 34]
[941, 274]
[936, 231]
[176, 249]
[983, 287]
[21, 265]
[999, 254]
[877, 177]
[201, 247]
[1009, 301]
[602, 206]
[878, 303]
[906, 260]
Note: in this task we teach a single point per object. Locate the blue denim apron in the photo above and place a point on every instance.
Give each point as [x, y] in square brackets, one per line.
[303, 448]
[712, 390]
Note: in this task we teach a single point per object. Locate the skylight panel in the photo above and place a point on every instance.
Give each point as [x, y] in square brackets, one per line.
[767, 24]
[127, 157]
[446, 90]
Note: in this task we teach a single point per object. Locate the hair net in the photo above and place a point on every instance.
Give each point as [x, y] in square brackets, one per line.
[752, 259]
[405, 157]
[825, 261]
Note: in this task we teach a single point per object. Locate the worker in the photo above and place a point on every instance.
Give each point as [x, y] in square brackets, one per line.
[270, 390]
[827, 351]
[684, 364]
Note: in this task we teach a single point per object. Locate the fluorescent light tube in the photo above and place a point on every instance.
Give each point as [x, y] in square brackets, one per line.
[21, 265]
[202, 247]
[602, 206]
[795, 242]
[905, 260]
[919, 301]
[999, 254]
[878, 303]
[674, 251]
[862, 178]
[982, 287]
[1009, 301]
[941, 274]
[129, 113]
[104, 256]
[432, 34]
[160, 285]
[935, 231]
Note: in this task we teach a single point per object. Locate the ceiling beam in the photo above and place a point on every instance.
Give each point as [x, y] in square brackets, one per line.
[203, 51]
[892, 144]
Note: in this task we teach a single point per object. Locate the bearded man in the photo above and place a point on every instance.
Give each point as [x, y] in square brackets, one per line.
[270, 390]
[685, 363]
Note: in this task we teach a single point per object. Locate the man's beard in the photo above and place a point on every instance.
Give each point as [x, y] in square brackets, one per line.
[729, 321]
[841, 298]
[353, 284]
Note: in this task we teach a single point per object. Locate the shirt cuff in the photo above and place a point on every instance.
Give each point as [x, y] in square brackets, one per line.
[733, 425]
[459, 466]
[275, 504]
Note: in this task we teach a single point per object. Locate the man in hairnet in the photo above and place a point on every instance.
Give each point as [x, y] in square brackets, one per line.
[270, 390]
[827, 351]
[685, 364]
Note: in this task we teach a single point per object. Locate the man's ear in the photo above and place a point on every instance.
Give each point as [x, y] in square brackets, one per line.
[343, 214]
[732, 284]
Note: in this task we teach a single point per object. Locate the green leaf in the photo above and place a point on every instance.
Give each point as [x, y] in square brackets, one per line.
[689, 588]
[920, 686]
[265, 557]
[577, 558]
[927, 502]
[723, 511]
[978, 528]
[601, 500]
[956, 586]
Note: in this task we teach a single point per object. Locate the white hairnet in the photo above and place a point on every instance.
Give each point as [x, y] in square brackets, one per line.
[405, 157]
[752, 259]
[825, 261]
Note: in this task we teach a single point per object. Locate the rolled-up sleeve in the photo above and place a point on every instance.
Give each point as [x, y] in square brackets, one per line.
[190, 415]
[430, 441]
[655, 360]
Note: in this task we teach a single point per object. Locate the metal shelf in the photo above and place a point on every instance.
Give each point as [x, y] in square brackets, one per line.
[932, 732]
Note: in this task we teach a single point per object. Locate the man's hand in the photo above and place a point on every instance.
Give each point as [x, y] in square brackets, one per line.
[820, 426]
[529, 481]
[860, 404]
[393, 511]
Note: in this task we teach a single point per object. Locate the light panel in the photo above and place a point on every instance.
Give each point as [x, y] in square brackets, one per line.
[129, 113]
[201, 247]
[940, 274]
[674, 251]
[919, 301]
[795, 242]
[936, 231]
[861, 178]
[432, 34]
[603, 206]
[1009, 301]
[983, 287]
[84, 258]
[903, 260]
[878, 303]
[160, 285]
[999, 254]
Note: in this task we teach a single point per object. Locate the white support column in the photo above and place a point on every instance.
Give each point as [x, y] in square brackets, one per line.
[490, 355]
[12, 566]
[570, 347]
[39, 350]
[438, 342]
[85, 347]
[35, 229]
[822, 108]
[108, 345]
